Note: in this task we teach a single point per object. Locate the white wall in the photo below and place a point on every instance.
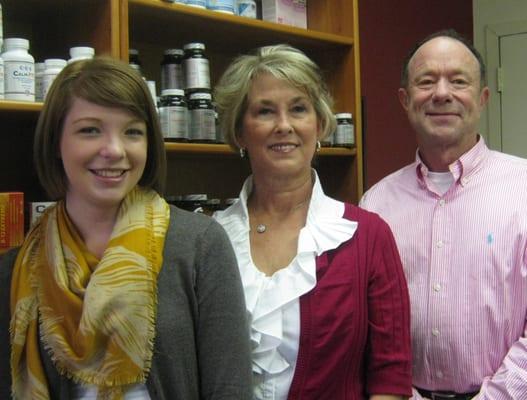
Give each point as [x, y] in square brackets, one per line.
[491, 12]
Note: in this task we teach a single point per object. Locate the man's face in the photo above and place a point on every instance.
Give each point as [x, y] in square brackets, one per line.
[444, 98]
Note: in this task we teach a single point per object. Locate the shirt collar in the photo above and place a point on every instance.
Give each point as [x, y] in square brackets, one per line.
[326, 228]
[462, 169]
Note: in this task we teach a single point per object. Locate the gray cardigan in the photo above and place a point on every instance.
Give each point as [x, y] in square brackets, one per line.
[202, 346]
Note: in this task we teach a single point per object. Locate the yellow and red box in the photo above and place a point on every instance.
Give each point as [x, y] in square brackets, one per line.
[11, 220]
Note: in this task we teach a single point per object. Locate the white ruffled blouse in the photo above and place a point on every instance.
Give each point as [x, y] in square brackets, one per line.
[273, 301]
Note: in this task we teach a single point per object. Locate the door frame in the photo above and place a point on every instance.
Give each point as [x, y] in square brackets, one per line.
[493, 33]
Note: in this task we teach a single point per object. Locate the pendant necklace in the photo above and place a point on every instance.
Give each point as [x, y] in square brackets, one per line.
[261, 228]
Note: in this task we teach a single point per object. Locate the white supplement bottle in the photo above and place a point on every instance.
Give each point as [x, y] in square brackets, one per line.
[225, 6]
[247, 8]
[39, 75]
[1, 28]
[197, 3]
[1, 78]
[53, 68]
[153, 92]
[81, 53]
[19, 69]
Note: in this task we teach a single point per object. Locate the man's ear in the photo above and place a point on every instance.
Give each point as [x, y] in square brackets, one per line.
[403, 97]
[484, 97]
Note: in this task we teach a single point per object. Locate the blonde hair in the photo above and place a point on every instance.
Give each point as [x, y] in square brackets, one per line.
[282, 61]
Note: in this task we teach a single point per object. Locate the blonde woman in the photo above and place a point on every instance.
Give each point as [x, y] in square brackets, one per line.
[323, 280]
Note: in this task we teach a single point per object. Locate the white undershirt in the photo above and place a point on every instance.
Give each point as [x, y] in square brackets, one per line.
[441, 180]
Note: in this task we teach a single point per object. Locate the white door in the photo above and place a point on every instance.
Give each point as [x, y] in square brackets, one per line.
[513, 61]
[507, 62]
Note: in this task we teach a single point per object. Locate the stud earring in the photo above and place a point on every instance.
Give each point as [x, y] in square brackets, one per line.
[242, 153]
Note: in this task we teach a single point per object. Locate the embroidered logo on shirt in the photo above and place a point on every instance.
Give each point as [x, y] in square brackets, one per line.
[490, 238]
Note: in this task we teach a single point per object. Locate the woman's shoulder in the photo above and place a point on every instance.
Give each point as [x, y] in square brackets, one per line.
[190, 223]
[370, 224]
[359, 214]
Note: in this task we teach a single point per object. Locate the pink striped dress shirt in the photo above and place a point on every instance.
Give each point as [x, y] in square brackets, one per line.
[464, 255]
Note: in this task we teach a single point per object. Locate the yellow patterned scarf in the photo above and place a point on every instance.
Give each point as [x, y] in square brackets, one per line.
[97, 317]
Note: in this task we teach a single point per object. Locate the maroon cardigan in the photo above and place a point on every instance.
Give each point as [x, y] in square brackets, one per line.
[355, 323]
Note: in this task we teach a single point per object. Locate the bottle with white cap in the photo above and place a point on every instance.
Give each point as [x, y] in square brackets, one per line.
[225, 6]
[247, 8]
[197, 3]
[1, 78]
[134, 61]
[53, 68]
[19, 69]
[40, 67]
[81, 53]
[1, 29]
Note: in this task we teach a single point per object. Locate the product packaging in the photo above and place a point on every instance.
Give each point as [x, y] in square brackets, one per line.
[287, 12]
[11, 220]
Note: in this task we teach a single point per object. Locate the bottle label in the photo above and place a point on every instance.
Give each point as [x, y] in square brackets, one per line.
[221, 5]
[197, 73]
[174, 122]
[1, 26]
[39, 87]
[247, 9]
[172, 77]
[344, 135]
[197, 3]
[202, 124]
[47, 80]
[1, 80]
[19, 80]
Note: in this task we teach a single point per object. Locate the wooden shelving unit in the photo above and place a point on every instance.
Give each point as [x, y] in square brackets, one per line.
[151, 26]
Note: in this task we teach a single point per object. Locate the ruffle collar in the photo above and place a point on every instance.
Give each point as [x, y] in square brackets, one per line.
[265, 296]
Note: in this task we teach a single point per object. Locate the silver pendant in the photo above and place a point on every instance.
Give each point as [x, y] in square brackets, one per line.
[261, 228]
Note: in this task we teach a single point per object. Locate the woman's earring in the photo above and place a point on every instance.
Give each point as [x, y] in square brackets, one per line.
[242, 153]
[318, 146]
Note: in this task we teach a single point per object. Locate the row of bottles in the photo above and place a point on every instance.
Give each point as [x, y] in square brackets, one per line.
[244, 8]
[22, 79]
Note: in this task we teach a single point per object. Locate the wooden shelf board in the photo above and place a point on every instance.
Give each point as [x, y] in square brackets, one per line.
[231, 31]
[10, 105]
[209, 149]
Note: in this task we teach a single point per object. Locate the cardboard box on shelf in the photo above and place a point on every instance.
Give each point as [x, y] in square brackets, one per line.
[11, 219]
[287, 12]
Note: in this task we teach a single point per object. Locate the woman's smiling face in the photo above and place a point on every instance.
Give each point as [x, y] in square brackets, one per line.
[280, 127]
[103, 151]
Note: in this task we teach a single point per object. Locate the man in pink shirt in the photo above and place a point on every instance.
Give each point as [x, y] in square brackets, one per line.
[459, 216]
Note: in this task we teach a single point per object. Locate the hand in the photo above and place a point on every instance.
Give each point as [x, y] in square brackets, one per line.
[417, 396]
